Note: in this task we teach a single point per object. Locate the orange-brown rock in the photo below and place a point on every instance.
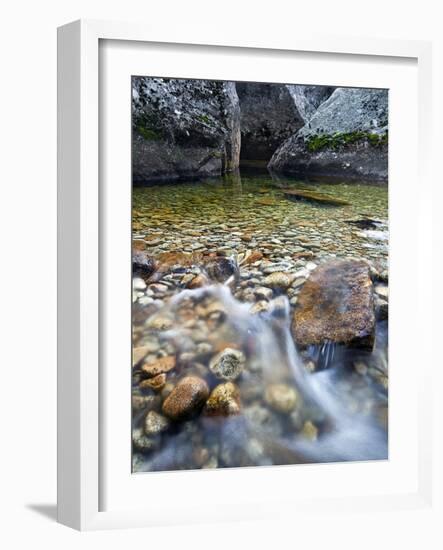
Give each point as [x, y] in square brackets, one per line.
[187, 398]
[155, 383]
[336, 304]
[159, 366]
[223, 401]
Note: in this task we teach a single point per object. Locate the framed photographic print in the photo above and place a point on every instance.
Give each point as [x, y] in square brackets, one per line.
[235, 327]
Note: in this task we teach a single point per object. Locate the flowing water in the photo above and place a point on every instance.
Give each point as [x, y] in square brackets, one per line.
[322, 404]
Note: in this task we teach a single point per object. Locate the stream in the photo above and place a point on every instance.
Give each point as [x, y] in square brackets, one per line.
[224, 325]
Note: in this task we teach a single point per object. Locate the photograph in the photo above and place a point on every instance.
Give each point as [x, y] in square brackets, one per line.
[260, 251]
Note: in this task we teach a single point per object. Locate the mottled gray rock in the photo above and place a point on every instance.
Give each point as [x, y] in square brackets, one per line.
[183, 128]
[268, 117]
[346, 138]
[307, 99]
[228, 364]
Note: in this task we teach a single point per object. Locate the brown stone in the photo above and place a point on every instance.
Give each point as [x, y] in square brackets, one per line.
[254, 256]
[336, 304]
[155, 383]
[197, 282]
[187, 398]
[313, 196]
[223, 401]
[159, 366]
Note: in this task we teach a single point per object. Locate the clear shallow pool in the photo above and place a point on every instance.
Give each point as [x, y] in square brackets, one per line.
[286, 406]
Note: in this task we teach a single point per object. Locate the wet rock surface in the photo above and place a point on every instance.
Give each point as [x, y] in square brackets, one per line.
[183, 128]
[269, 115]
[345, 138]
[336, 305]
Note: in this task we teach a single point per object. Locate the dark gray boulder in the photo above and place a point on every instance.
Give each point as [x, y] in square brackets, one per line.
[346, 138]
[183, 129]
[268, 117]
[308, 99]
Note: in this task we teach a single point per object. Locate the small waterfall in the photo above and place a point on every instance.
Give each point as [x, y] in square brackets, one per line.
[271, 358]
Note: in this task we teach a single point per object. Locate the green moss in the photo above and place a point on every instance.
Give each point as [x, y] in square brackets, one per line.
[148, 134]
[341, 139]
[204, 118]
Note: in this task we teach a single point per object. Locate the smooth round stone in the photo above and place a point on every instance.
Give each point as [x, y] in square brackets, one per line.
[138, 284]
[186, 398]
[281, 397]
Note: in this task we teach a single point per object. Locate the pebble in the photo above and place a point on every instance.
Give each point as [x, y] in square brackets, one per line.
[155, 423]
[142, 442]
[281, 397]
[138, 284]
[263, 293]
[159, 322]
[228, 364]
[223, 401]
[187, 398]
[155, 383]
[278, 280]
[160, 366]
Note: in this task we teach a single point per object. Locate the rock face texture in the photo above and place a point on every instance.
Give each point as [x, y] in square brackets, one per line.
[183, 128]
[336, 304]
[268, 117]
[308, 99]
[347, 138]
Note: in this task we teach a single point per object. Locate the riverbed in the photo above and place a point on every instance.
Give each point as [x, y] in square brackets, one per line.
[286, 405]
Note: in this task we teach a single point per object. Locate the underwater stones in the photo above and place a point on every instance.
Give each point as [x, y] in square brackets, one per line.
[261, 306]
[143, 265]
[281, 397]
[145, 402]
[155, 423]
[159, 366]
[197, 282]
[263, 419]
[278, 280]
[221, 268]
[309, 431]
[159, 322]
[228, 364]
[313, 196]
[138, 284]
[155, 383]
[142, 442]
[223, 401]
[251, 256]
[382, 291]
[138, 354]
[336, 304]
[187, 398]
[263, 293]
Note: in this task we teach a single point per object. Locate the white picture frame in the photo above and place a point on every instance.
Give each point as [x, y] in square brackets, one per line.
[81, 397]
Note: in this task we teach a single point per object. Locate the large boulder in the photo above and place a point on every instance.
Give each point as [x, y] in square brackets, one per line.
[308, 99]
[346, 138]
[268, 117]
[183, 129]
[336, 304]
